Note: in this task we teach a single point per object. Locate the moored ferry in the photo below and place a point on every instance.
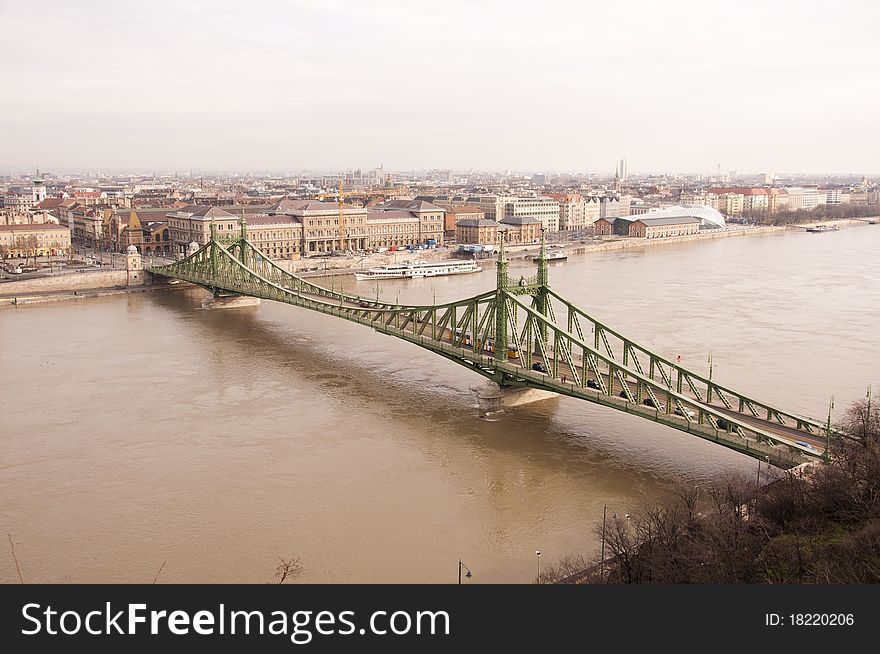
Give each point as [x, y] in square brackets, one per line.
[412, 270]
[553, 256]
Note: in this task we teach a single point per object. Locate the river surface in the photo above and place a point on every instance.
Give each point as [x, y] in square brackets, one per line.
[139, 430]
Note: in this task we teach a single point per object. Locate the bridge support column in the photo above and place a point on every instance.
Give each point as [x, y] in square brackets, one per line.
[500, 309]
[492, 397]
[229, 301]
[542, 299]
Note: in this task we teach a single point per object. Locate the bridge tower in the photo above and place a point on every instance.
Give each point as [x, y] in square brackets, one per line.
[214, 253]
[542, 299]
[501, 304]
[134, 266]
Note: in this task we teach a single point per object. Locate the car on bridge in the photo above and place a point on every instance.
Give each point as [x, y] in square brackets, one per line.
[649, 402]
[688, 413]
[806, 445]
[540, 367]
[592, 383]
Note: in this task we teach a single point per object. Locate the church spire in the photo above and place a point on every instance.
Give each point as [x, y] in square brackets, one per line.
[134, 222]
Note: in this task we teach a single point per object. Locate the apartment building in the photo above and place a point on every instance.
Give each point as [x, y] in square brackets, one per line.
[456, 213]
[492, 206]
[572, 210]
[40, 240]
[516, 230]
[294, 228]
[544, 209]
[592, 210]
[430, 218]
[476, 230]
[647, 227]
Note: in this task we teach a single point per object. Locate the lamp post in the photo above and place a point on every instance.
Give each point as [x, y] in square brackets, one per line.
[460, 566]
[758, 482]
[709, 385]
[828, 426]
[538, 554]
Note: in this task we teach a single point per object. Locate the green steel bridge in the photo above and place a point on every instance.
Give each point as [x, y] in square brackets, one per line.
[503, 333]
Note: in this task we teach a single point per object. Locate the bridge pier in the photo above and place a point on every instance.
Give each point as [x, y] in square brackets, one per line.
[229, 301]
[493, 397]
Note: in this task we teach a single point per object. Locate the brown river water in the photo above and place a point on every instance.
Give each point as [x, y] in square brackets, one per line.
[141, 429]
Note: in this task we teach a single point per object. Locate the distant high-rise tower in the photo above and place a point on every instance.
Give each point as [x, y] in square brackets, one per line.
[620, 172]
[38, 187]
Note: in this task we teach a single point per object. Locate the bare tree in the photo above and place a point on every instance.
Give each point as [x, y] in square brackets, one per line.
[862, 420]
[571, 569]
[15, 558]
[288, 570]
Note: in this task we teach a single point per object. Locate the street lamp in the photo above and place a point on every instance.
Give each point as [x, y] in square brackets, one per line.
[460, 566]
[758, 482]
[538, 554]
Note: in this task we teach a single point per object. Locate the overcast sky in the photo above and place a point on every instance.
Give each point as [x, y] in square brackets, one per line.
[558, 86]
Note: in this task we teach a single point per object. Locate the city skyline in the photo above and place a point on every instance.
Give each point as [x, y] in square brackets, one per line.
[560, 87]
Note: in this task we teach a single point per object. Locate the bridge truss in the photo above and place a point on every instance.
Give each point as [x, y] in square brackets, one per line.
[524, 334]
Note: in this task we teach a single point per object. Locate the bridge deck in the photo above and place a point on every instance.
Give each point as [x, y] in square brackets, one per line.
[623, 375]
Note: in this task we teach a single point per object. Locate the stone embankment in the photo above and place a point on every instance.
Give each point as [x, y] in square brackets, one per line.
[67, 282]
[60, 296]
[832, 223]
[346, 265]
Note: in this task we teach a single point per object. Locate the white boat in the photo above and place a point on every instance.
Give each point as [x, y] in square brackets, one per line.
[553, 256]
[413, 270]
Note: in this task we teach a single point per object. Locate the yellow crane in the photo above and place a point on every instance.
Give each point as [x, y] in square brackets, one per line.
[340, 234]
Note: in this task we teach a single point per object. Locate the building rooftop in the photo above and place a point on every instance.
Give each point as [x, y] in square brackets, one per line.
[380, 216]
[258, 220]
[520, 220]
[288, 206]
[33, 227]
[196, 211]
[410, 205]
[668, 220]
[464, 209]
[50, 203]
[707, 216]
[476, 222]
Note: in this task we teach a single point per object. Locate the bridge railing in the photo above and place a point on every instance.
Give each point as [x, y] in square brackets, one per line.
[560, 345]
[466, 329]
[673, 374]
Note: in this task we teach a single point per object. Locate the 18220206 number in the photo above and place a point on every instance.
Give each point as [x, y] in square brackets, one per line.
[821, 619]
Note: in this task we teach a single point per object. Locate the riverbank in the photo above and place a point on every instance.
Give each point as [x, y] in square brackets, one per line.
[102, 283]
[842, 222]
[66, 295]
[330, 266]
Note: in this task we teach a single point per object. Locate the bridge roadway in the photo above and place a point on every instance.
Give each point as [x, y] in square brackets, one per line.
[579, 369]
[815, 442]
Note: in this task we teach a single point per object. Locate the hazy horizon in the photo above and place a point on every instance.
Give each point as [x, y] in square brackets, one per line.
[556, 86]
